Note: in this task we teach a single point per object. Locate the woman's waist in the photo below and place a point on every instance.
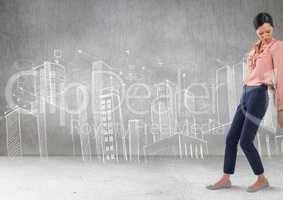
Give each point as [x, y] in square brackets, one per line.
[259, 75]
[248, 88]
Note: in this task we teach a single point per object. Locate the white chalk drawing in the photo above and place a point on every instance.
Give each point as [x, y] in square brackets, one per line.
[49, 85]
[119, 115]
[163, 111]
[137, 139]
[13, 133]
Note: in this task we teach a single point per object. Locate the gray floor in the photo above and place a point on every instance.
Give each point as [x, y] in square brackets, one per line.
[67, 178]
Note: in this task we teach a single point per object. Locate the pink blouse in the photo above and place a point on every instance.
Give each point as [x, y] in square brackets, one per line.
[267, 68]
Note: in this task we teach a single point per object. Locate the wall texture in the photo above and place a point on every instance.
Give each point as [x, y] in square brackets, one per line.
[199, 37]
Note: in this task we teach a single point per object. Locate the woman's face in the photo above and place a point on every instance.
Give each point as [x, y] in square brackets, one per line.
[264, 33]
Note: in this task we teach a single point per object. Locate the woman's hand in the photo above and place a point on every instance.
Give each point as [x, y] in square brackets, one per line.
[271, 93]
[280, 118]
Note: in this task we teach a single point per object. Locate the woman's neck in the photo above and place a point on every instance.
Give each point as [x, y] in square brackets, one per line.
[264, 42]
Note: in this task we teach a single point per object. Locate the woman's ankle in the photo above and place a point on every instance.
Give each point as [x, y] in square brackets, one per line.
[226, 176]
[261, 177]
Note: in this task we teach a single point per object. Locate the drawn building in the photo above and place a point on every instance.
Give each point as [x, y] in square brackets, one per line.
[164, 111]
[226, 99]
[13, 131]
[83, 137]
[137, 138]
[21, 132]
[167, 141]
[75, 134]
[100, 79]
[112, 134]
[178, 145]
[266, 142]
[49, 98]
[279, 141]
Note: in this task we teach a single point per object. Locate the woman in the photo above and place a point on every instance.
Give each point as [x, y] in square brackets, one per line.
[264, 72]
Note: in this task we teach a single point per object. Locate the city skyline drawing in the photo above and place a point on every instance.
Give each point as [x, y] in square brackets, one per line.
[107, 114]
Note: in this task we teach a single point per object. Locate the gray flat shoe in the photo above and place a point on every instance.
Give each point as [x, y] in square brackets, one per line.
[251, 189]
[214, 187]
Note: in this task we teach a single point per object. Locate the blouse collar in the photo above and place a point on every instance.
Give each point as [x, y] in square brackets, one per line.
[256, 44]
[254, 56]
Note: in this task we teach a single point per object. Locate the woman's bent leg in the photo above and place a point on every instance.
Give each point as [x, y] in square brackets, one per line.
[256, 109]
[232, 140]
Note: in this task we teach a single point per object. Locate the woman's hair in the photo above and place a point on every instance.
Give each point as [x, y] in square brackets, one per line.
[262, 18]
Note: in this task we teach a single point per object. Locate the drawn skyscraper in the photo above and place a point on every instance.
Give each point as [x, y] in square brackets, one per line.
[112, 131]
[49, 86]
[164, 110]
[99, 80]
[107, 114]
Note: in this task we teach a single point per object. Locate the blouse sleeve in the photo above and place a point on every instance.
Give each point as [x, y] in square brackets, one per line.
[277, 56]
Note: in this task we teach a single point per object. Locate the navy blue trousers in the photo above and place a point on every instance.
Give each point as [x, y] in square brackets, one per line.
[249, 113]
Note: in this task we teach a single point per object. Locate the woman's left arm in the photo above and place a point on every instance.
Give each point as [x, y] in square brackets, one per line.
[277, 57]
